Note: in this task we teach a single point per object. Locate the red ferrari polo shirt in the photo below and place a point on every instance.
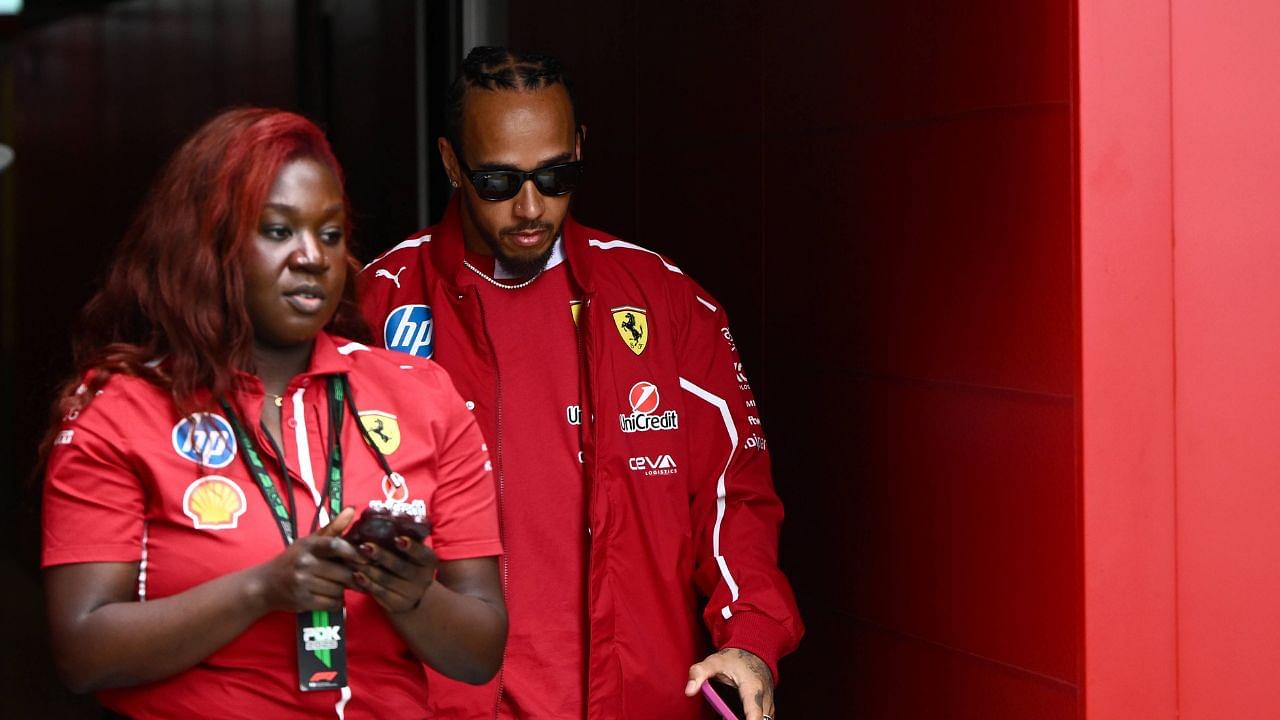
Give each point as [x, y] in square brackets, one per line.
[129, 480]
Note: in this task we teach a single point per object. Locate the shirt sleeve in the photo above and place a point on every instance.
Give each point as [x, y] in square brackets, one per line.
[735, 511]
[464, 512]
[94, 505]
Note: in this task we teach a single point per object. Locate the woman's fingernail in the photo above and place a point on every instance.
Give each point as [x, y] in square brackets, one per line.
[402, 543]
[367, 549]
[361, 579]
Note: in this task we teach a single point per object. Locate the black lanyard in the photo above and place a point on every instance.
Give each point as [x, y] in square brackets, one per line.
[339, 397]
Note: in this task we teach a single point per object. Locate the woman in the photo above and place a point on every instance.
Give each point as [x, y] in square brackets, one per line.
[218, 442]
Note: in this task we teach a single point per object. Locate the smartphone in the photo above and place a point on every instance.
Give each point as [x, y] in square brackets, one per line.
[717, 702]
[381, 527]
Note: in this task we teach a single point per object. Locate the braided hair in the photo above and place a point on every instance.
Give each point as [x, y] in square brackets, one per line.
[498, 68]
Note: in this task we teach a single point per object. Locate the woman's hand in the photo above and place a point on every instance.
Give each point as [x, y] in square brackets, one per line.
[311, 574]
[104, 638]
[397, 581]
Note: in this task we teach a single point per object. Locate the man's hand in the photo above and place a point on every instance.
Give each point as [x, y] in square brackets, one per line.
[742, 670]
[396, 580]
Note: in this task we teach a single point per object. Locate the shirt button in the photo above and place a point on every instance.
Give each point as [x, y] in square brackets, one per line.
[292, 423]
[471, 405]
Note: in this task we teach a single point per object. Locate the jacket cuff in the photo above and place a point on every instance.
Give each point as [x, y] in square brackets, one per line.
[758, 635]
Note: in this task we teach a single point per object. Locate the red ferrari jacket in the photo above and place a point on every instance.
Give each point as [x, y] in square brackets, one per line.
[680, 501]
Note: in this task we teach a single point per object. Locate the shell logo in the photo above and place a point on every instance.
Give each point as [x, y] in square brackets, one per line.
[214, 503]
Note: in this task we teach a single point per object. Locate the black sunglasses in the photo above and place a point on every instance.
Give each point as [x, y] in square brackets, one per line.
[550, 180]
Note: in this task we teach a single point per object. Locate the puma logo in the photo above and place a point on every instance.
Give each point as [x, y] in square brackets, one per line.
[380, 273]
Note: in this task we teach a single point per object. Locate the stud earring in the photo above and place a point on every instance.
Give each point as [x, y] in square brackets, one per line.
[453, 182]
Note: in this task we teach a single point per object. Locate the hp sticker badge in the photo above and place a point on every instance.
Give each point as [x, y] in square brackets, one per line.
[632, 326]
[383, 429]
[410, 330]
[205, 439]
[214, 503]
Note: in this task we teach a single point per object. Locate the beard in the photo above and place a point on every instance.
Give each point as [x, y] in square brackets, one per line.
[521, 266]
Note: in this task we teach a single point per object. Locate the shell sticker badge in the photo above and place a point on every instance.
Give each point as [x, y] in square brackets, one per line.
[214, 502]
[384, 429]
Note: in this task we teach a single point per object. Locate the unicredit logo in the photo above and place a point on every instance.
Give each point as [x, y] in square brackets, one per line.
[644, 403]
[644, 397]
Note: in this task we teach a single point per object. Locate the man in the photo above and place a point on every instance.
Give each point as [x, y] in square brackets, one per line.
[633, 480]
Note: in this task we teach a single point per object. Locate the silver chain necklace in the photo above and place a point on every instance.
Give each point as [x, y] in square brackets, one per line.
[495, 283]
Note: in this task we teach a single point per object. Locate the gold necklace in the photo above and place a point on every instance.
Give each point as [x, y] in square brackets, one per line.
[277, 399]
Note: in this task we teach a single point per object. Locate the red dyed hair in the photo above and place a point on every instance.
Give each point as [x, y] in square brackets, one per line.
[175, 290]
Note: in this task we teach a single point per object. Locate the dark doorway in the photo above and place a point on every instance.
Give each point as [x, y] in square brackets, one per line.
[881, 195]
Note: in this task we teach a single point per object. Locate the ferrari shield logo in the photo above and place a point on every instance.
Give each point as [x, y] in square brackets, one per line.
[632, 326]
[383, 429]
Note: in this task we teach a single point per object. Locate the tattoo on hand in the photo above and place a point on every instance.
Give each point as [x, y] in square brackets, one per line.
[756, 666]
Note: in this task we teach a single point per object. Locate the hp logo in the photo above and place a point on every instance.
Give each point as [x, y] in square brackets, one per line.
[409, 329]
[205, 438]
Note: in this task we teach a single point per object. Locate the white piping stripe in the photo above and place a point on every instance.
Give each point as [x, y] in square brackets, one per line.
[344, 697]
[612, 244]
[352, 347]
[708, 305]
[304, 454]
[719, 403]
[142, 566]
[410, 243]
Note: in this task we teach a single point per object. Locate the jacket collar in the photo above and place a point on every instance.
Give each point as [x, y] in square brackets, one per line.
[447, 248]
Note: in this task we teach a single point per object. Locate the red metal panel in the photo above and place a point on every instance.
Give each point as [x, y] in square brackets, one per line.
[964, 503]
[946, 247]
[839, 65]
[997, 53]
[831, 65]
[891, 675]
[1226, 150]
[1127, 380]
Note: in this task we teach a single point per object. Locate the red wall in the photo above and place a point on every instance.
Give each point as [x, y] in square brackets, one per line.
[1127, 369]
[882, 196]
[1226, 193]
[1180, 163]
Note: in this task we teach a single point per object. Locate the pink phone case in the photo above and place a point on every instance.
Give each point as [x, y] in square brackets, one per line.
[717, 703]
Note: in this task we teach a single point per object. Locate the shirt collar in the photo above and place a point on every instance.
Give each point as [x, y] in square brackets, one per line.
[330, 356]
